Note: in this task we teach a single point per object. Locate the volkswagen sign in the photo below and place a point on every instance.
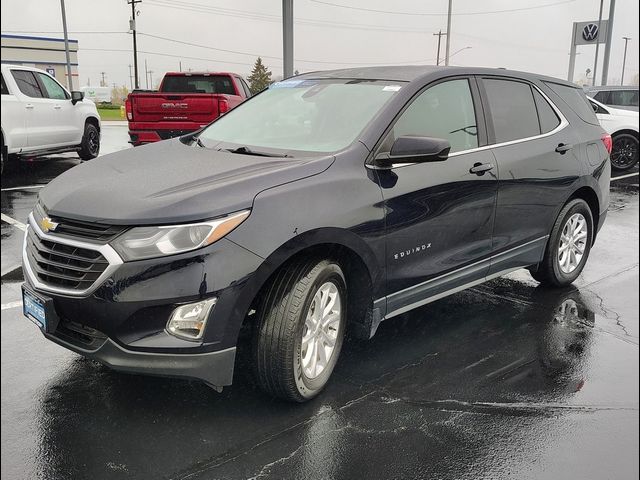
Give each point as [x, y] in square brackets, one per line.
[590, 32]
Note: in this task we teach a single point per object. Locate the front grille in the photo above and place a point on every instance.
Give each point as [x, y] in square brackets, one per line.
[98, 232]
[65, 266]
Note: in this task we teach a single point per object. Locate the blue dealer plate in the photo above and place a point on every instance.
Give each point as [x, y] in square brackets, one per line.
[33, 309]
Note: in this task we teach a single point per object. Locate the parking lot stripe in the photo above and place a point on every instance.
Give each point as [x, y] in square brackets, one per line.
[26, 187]
[629, 175]
[6, 306]
[15, 223]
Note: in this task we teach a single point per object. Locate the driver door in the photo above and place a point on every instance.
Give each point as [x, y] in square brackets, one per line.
[439, 215]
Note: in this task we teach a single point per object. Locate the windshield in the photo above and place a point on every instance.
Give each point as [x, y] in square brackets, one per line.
[303, 115]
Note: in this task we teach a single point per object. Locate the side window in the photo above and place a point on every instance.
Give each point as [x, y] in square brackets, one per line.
[52, 88]
[27, 83]
[443, 111]
[513, 109]
[602, 97]
[245, 87]
[547, 115]
[577, 101]
[624, 98]
[5, 90]
[598, 109]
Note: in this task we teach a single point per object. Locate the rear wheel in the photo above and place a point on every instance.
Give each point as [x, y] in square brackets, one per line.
[624, 153]
[568, 246]
[300, 329]
[90, 146]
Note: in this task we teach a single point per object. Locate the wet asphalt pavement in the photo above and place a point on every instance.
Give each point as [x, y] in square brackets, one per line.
[506, 380]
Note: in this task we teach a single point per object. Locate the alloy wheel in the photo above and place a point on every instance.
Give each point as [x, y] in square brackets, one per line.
[321, 328]
[573, 243]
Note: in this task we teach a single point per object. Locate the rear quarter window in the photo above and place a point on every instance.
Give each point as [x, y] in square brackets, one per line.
[576, 100]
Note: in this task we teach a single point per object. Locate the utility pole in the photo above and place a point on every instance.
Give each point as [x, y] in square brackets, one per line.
[132, 26]
[103, 83]
[595, 62]
[439, 34]
[66, 46]
[607, 48]
[151, 78]
[130, 77]
[146, 74]
[448, 46]
[180, 65]
[287, 38]
[624, 59]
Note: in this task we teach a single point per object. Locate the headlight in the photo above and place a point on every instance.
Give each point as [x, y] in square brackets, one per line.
[148, 242]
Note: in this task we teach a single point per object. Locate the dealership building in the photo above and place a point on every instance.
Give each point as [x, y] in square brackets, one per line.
[45, 53]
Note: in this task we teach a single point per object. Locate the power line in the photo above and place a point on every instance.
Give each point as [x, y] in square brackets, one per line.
[395, 12]
[200, 8]
[255, 54]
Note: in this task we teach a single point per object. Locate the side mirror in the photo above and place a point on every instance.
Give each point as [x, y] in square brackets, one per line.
[415, 149]
[77, 97]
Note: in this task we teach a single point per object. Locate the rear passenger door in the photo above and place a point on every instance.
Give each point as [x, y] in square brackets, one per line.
[536, 163]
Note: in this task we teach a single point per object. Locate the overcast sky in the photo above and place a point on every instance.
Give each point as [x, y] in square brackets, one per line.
[325, 36]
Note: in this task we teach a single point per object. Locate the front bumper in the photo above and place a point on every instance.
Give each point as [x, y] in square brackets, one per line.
[213, 368]
[121, 321]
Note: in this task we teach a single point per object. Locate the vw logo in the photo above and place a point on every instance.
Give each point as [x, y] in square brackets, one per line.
[590, 32]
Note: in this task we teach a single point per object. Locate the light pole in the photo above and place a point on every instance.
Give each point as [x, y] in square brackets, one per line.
[448, 44]
[132, 25]
[624, 59]
[66, 46]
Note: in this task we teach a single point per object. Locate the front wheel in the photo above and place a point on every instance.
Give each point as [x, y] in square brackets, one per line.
[568, 246]
[90, 146]
[300, 329]
[624, 153]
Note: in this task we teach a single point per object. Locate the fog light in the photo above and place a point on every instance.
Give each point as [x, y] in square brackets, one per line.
[188, 321]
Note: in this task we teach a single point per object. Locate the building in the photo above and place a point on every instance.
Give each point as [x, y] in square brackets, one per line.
[45, 53]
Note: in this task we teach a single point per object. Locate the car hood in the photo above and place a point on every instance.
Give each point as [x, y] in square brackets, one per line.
[169, 182]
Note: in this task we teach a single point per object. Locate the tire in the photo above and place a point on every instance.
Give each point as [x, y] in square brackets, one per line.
[555, 270]
[624, 154]
[283, 360]
[90, 146]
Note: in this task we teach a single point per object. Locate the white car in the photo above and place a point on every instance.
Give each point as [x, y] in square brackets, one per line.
[40, 117]
[622, 125]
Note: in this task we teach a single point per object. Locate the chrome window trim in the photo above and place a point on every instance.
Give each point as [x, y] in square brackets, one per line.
[106, 250]
[564, 123]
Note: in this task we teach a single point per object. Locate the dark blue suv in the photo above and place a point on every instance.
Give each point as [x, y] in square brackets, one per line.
[322, 206]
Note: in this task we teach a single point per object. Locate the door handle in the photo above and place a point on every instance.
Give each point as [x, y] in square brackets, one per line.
[57, 107]
[29, 106]
[563, 148]
[481, 168]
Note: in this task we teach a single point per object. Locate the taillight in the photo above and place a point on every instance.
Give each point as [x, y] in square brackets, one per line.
[128, 109]
[223, 106]
[608, 142]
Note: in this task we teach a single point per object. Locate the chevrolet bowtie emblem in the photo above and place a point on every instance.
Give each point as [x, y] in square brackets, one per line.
[48, 225]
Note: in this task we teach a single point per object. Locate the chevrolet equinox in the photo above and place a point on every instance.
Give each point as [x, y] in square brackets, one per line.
[324, 205]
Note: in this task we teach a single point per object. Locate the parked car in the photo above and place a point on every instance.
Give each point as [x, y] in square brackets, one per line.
[40, 117]
[622, 125]
[323, 205]
[184, 103]
[624, 98]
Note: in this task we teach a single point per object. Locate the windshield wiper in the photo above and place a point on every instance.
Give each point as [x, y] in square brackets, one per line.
[248, 151]
[199, 142]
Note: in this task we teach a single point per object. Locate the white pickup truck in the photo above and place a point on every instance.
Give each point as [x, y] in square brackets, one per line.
[40, 117]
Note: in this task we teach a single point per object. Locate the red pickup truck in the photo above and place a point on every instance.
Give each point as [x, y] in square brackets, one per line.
[185, 102]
